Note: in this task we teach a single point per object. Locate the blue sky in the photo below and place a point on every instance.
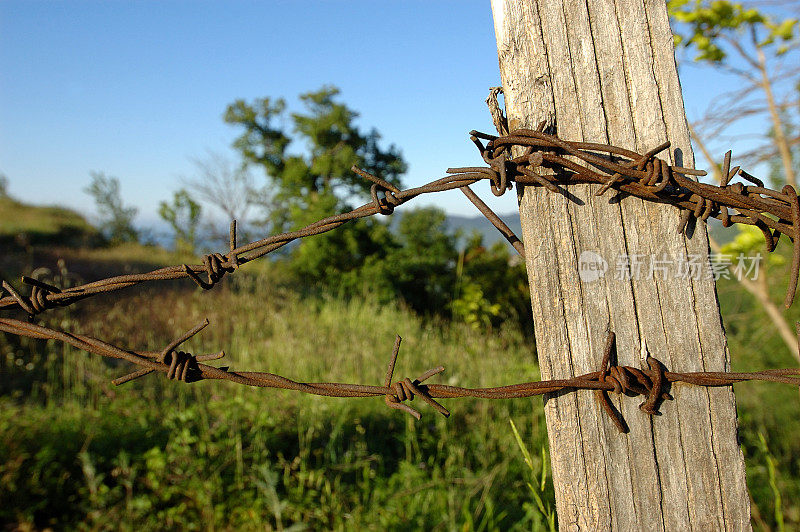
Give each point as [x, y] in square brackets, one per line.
[137, 89]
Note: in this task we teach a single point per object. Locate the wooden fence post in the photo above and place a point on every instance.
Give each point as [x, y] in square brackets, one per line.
[604, 71]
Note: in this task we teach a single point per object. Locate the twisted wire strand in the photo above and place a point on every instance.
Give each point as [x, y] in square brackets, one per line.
[645, 176]
[650, 382]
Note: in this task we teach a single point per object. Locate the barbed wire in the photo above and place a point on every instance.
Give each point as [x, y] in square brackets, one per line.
[45, 296]
[567, 162]
[527, 157]
[652, 382]
[642, 175]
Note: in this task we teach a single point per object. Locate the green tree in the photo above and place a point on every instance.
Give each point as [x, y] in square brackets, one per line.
[330, 144]
[183, 215]
[337, 259]
[716, 27]
[414, 262]
[315, 179]
[757, 48]
[3, 186]
[760, 49]
[116, 219]
[421, 263]
[492, 286]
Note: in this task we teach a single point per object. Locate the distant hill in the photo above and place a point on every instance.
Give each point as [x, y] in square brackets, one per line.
[468, 224]
[159, 233]
[22, 225]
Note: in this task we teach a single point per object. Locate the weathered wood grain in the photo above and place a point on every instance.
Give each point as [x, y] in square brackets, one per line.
[604, 71]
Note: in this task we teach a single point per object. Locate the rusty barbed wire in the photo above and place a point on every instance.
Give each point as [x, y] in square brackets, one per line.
[625, 171]
[566, 162]
[644, 176]
[652, 382]
[216, 265]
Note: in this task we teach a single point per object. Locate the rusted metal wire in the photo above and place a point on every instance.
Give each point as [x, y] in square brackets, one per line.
[644, 176]
[496, 221]
[516, 157]
[625, 171]
[652, 382]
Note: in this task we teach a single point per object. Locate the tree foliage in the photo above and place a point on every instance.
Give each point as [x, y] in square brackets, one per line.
[308, 169]
[413, 262]
[757, 44]
[758, 47]
[116, 219]
[420, 261]
[337, 259]
[492, 286]
[330, 143]
[712, 28]
[183, 215]
[414, 258]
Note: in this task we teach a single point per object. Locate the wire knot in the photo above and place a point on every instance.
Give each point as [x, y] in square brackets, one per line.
[180, 363]
[498, 181]
[657, 174]
[403, 390]
[38, 301]
[630, 381]
[216, 266]
[389, 201]
[406, 389]
[386, 204]
[498, 165]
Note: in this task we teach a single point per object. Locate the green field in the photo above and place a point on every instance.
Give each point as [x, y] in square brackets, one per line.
[23, 225]
[75, 450]
[78, 453]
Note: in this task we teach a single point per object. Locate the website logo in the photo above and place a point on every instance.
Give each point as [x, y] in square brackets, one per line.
[591, 266]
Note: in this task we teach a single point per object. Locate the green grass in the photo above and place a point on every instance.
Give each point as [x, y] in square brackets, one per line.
[767, 411]
[76, 452]
[26, 225]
